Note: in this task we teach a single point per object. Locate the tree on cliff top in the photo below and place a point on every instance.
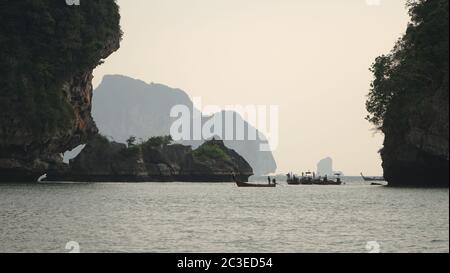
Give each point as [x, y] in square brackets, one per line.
[158, 141]
[417, 67]
[131, 141]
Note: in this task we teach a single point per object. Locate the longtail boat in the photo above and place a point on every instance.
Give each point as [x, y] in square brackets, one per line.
[309, 178]
[250, 185]
[370, 179]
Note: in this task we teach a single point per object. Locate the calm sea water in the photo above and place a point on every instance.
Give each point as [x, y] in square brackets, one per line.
[180, 217]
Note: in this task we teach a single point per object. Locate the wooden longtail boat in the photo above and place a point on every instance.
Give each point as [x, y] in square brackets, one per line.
[250, 185]
[309, 179]
[370, 179]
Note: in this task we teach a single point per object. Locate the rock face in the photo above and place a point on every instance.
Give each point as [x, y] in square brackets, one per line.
[419, 155]
[416, 147]
[47, 57]
[124, 107]
[105, 161]
[409, 99]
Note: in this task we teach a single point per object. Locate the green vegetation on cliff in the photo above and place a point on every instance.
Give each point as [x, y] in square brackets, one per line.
[417, 67]
[211, 151]
[151, 143]
[43, 44]
[158, 141]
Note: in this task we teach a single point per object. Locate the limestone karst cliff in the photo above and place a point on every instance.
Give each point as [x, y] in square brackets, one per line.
[409, 99]
[48, 51]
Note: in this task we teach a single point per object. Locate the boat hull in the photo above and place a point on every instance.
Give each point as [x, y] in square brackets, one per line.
[373, 179]
[293, 182]
[321, 183]
[249, 185]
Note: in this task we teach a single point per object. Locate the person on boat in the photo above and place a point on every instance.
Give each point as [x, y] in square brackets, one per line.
[269, 179]
[234, 177]
[325, 178]
[274, 181]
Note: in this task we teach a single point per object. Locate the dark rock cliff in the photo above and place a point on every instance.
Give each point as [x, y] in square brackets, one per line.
[409, 99]
[105, 161]
[48, 51]
[419, 155]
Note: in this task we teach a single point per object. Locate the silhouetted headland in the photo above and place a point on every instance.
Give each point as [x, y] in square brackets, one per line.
[409, 100]
[156, 160]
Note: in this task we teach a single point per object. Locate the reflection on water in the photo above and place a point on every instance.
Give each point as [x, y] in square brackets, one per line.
[182, 217]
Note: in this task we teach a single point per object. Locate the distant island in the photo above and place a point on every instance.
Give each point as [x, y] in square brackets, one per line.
[155, 160]
[409, 100]
[325, 168]
[123, 107]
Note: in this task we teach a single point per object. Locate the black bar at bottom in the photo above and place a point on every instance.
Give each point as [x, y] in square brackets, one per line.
[241, 263]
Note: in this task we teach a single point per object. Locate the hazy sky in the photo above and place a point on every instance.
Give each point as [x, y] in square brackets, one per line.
[310, 57]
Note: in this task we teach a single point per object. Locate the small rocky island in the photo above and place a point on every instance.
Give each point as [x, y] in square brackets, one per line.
[153, 160]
